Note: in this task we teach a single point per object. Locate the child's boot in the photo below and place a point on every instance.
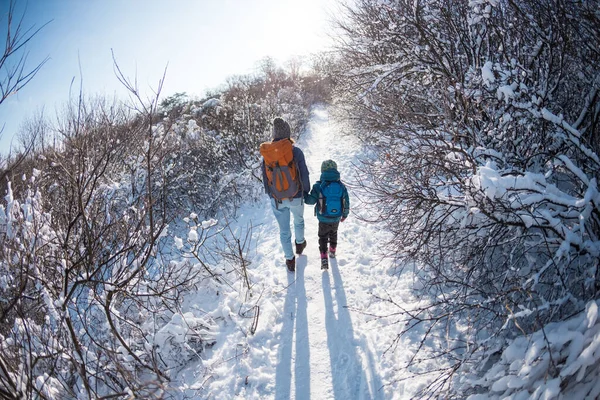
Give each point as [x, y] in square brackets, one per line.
[331, 252]
[324, 261]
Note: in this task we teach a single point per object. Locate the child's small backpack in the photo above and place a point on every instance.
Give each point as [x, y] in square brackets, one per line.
[283, 179]
[331, 199]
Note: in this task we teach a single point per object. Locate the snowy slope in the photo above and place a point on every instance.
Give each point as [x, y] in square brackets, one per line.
[313, 339]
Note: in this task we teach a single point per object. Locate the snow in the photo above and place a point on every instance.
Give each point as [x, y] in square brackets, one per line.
[310, 340]
[193, 234]
[178, 242]
[591, 312]
[527, 368]
[506, 92]
[210, 103]
[487, 73]
[209, 223]
[331, 335]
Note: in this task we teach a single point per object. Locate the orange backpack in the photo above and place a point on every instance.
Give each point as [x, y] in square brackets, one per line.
[282, 172]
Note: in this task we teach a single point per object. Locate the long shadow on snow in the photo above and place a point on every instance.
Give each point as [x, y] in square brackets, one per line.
[350, 380]
[294, 310]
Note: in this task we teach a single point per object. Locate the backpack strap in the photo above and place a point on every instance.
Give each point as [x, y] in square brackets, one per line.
[321, 201]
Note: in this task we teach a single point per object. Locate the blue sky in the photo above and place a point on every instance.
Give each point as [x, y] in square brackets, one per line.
[202, 41]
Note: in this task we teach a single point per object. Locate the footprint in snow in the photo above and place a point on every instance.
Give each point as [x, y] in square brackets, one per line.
[364, 260]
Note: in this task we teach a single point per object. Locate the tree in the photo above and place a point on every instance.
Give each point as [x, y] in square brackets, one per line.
[84, 287]
[483, 120]
[15, 71]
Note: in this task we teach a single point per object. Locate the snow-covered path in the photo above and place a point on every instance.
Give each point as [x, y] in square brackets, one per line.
[320, 356]
[310, 342]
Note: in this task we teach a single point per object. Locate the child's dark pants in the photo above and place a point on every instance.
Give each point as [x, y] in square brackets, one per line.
[327, 232]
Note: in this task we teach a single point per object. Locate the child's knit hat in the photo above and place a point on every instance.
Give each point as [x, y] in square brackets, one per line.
[328, 164]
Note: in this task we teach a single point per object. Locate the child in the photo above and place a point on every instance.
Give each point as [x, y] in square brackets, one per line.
[332, 206]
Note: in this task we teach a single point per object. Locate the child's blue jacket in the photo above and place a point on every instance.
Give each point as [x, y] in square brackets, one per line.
[330, 175]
